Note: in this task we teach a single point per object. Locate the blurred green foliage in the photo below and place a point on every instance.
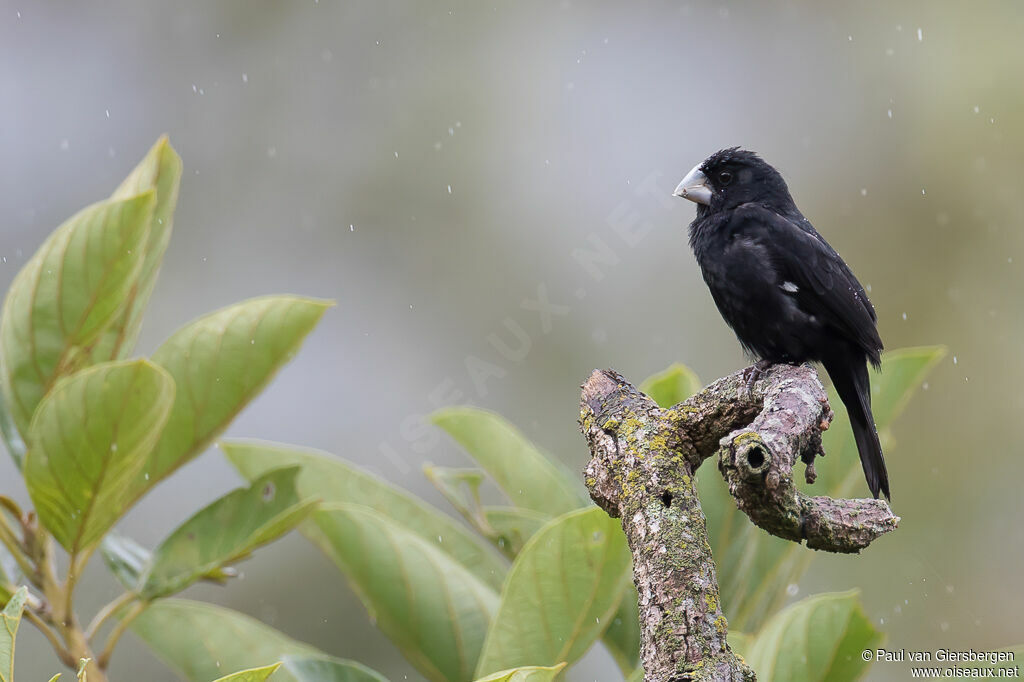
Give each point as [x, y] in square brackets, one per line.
[92, 432]
[525, 594]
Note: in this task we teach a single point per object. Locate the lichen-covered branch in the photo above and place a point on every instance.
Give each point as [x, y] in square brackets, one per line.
[641, 470]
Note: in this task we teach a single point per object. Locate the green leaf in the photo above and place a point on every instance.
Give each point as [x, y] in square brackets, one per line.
[125, 558]
[90, 438]
[55, 678]
[433, 609]
[739, 642]
[816, 639]
[527, 674]
[671, 386]
[461, 487]
[11, 619]
[67, 294]
[512, 527]
[333, 480]
[203, 641]
[327, 669]
[220, 362]
[225, 532]
[754, 567]
[8, 430]
[507, 528]
[561, 593]
[159, 172]
[622, 638]
[251, 675]
[9, 574]
[527, 477]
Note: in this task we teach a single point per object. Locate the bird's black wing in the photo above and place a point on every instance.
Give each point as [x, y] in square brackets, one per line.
[813, 273]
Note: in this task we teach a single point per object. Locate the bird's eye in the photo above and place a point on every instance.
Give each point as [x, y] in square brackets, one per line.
[724, 178]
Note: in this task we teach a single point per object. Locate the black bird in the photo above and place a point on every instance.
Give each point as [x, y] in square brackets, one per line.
[786, 293]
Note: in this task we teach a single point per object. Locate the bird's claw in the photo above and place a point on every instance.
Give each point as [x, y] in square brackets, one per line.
[752, 375]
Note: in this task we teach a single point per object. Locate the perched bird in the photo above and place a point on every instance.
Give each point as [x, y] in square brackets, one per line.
[786, 293]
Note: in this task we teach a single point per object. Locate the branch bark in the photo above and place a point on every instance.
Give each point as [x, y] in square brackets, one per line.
[641, 470]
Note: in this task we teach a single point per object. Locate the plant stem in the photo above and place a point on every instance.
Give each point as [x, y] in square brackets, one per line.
[80, 649]
[118, 630]
[9, 539]
[107, 611]
[65, 656]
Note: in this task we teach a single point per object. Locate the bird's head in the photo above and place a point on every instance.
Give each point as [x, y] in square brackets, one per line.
[732, 177]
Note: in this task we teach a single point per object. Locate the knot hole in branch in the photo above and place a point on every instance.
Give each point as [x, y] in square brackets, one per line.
[752, 457]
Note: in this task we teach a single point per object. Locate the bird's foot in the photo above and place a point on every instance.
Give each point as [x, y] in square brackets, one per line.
[752, 375]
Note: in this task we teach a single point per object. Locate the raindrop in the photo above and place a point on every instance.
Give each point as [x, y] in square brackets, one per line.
[954, 360]
[977, 109]
[449, 189]
[920, 35]
[890, 113]
[245, 78]
[351, 227]
[904, 316]
[792, 589]
[863, 191]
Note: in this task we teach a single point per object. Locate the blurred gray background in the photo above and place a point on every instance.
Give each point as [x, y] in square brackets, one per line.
[434, 166]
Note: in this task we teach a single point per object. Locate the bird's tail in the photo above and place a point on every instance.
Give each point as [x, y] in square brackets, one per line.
[850, 377]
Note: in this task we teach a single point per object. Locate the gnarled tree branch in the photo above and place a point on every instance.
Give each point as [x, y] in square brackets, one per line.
[641, 470]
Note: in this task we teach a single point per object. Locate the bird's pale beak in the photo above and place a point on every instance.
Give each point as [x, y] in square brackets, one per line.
[694, 187]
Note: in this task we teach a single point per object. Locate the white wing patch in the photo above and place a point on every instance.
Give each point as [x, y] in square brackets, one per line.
[789, 287]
